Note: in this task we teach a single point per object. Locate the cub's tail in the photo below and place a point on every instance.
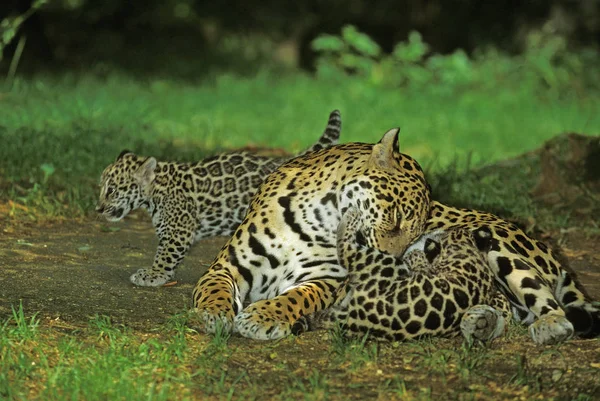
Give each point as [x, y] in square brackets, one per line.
[330, 136]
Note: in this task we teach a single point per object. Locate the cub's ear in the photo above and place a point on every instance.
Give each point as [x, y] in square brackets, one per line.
[483, 238]
[145, 173]
[432, 249]
[385, 154]
[123, 153]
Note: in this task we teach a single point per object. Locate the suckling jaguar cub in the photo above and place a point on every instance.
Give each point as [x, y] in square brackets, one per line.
[543, 294]
[189, 201]
[282, 258]
[441, 286]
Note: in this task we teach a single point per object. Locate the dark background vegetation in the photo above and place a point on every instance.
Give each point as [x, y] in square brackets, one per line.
[144, 34]
[179, 79]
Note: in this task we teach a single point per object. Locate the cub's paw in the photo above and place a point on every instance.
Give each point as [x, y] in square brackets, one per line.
[211, 322]
[551, 329]
[260, 325]
[482, 322]
[149, 278]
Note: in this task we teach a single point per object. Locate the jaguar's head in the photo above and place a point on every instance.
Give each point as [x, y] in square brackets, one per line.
[125, 185]
[393, 197]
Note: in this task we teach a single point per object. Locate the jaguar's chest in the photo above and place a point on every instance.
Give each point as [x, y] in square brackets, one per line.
[294, 243]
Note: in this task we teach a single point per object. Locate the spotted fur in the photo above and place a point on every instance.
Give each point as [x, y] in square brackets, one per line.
[542, 292]
[441, 286]
[189, 201]
[283, 259]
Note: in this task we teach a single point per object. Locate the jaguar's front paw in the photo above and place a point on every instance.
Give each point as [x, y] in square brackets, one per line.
[212, 322]
[551, 329]
[482, 322]
[261, 326]
[150, 278]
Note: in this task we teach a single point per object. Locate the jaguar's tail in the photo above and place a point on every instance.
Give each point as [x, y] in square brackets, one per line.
[579, 308]
[585, 319]
[331, 135]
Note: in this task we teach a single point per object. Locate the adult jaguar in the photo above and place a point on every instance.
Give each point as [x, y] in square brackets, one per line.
[282, 257]
[189, 201]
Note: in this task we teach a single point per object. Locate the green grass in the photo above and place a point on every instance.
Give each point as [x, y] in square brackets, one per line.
[59, 132]
[290, 111]
[54, 360]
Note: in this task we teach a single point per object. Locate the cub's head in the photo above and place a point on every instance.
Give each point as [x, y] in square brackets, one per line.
[392, 195]
[458, 244]
[125, 185]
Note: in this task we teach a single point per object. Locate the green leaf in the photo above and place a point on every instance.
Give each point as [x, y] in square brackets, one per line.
[360, 42]
[48, 169]
[412, 51]
[327, 43]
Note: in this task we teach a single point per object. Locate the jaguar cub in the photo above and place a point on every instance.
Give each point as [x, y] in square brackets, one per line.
[543, 294]
[189, 201]
[440, 287]
[283, 258]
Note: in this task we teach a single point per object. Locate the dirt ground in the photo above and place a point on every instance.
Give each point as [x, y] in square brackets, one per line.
[72, 270]
[75, 269]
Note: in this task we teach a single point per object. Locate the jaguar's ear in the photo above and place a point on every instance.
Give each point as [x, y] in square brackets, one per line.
[145, 173]
[385, 154]
[483, 238]
[432, 249]
[123, 153]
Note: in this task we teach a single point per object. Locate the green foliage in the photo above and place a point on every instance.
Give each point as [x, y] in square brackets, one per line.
[9, 26]
[546, 63]
[59, 133]
[357, 351]
[19, 328]
[105, 329]
[352, 51]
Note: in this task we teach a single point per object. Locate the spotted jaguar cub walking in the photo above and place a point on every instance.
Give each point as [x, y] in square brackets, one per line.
[189, 201]
[441, 284]
[283, 258]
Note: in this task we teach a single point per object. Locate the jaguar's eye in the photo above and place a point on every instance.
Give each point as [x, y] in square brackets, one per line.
[409, 214]
[110, 191]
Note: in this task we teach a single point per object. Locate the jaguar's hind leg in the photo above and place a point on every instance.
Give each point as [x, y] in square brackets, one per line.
[271, 319]
[522, 283]
[217, 300]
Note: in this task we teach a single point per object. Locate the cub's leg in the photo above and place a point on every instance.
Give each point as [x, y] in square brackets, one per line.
[271, 319]
[175, 236]
[486, 322]
[217, 299]
[170, 252]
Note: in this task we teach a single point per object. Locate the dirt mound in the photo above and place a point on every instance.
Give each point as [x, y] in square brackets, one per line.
[570, 174]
